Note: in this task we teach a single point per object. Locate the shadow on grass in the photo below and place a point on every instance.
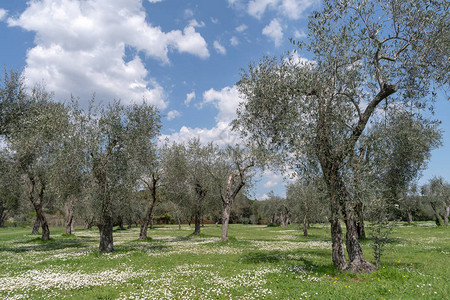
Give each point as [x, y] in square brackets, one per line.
[297, 260]
[38, 244]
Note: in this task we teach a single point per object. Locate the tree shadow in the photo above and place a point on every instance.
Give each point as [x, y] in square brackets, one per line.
[37, 244]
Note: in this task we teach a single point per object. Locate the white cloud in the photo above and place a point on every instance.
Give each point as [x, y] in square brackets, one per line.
[256, 8]
[173, 114]
[293, 9]
[80, 48]
[189, 98]
[3, 14]
[188, 13]
[234, 41]
[219, 48]
[299, 34]
[195, 23]
[221, 134]
[189, 41]
[274, 31]
[226, 101]
[154, 1]
[272, 179]
[241, 28]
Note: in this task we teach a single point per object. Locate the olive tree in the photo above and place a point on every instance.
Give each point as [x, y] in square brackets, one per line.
[364, 53]
[307, 199]
[115, 134]
[231, 170]
[35, 143]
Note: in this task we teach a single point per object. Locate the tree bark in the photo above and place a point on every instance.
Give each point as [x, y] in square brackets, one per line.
[341, 202]
[105, 223]
[410, 217]
[3, 213]
[69, 215]
[197, 223]
[36, 225]
[305, 225]
[106, 233]
[179, 223]
[151, 204]
[227, 203]
[37, 204]
[447, 213]
[360, 222]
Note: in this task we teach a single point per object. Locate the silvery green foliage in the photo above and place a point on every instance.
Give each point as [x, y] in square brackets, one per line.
[363, 52]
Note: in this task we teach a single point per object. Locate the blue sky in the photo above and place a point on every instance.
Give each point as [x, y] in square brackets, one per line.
[183, 56]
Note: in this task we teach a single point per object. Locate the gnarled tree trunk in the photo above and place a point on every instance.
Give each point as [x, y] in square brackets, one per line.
[409, 216]
[37, 204]
[151, 203]
[36, 225]
[305, 225]
[227, 203]
[69, 215]
[360, 220]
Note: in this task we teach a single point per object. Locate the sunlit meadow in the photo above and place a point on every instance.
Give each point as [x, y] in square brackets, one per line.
[258, 262]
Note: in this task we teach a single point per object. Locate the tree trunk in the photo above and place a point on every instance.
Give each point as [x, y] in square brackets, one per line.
[89, 223]
[105, 223]
[282, 219]
[69, 215]
[37, 204]
[305, 226]
[179, 223]
[106, 233]
[360, 222]
[447, 213]
[227, 203]
[410, 217]
[197, 223]
[148, 216]
[357, 262]
[121, 223]
[3, 214]
[341, 202]
[36, 225]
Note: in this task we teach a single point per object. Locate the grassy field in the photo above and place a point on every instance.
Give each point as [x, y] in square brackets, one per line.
[258, 262]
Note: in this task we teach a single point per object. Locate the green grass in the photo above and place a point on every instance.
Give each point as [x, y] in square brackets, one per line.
[258, 262]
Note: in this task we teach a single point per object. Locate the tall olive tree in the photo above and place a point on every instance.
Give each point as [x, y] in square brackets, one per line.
[231, 170]
[364, 53]
[115, 134]
[35, 142]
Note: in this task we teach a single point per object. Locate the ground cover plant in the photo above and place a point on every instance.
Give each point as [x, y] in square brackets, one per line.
[258, 262]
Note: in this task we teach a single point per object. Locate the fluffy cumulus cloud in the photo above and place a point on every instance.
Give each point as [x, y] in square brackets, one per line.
[226, 101]
[80, 48]
[220, 134]
[271, 179]
[293, 9]
[219, 48]
[3, 13]
[173, 114]
[274, 31]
